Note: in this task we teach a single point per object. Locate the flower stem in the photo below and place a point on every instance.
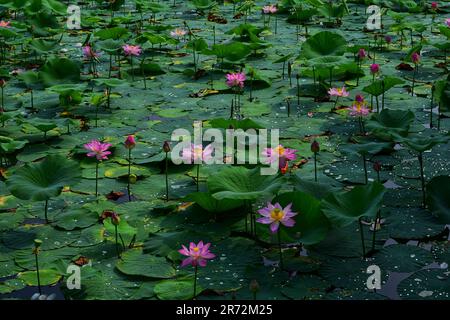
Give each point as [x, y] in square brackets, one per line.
[96, 180]
[167, 177]
[422, 178]
[46, 210]
[37, 272]
[377, 218]
[315, 166]
[362, 237]
[365, 168]
[279, 248]
[198, 177]
[117, 242]
[195, 281]
[129, 174]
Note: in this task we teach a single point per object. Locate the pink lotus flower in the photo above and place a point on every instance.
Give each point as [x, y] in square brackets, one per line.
[281, 153]
[270, 9]
[130, 142]
[5, 24]
[374, 68]
[89, 53]
[196, 153]
[338, 92]
[130, 50]
[275, 214]
[197, 254]
[178, 33]
[98, 149]
[362, 53]
[388, 39]
[359, 107]
[447, 22]
[434, 5]
[236, 79]
[415, 58]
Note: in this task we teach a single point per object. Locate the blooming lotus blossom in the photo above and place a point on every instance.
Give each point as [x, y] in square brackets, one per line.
[196, 153]
[415, 58]
[362, 53]
[89, 53]
[197, 254]
[374, 68]
[5, 24]
[270, 9]
[338, 92]
[98, 149]
[178, 33]
[130, 50]
[275, 214]
[130, 142]
[281, 153]
[359, 107]
[236, 79]
[447, 22]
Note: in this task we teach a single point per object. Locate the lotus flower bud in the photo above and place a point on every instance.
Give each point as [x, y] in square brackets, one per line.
[377, 166]
[132, 178]
[254, 286]
[115, 219]
[315, 147]
[130, 142]
[166, 146]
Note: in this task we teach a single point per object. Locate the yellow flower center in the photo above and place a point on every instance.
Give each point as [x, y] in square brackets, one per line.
[277, 214]
[196, 249]
[198, 152]
[280, 150]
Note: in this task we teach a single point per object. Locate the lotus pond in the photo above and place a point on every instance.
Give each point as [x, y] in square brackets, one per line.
[95, 205]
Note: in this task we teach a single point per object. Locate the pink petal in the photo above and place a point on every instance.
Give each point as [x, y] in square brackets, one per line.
[187, 262]
[274, 226]
[264, 220]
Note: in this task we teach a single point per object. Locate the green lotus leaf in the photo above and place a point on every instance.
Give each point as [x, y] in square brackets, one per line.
[438, 198]
[379, 87]
[243, 184]
[59, 70]
[344, 208]
[211, 204]
[115, 33]
[135, 263]
[325, 43]
[389, 122]
[366, 148]
[43, 180]
[233, 52]
[311, 225]
[47, 277]
[421, 143]
[182, 289]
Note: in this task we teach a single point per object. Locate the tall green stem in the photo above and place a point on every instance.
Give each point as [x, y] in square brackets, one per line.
[279, 249]
[422, 178]
[362, 238]
[198, 177]
[129, 174]
[46, 210]
[96, 179]
[37, 271]
[117, 242]
[195, 281]
[167, 177]
[315, 166]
